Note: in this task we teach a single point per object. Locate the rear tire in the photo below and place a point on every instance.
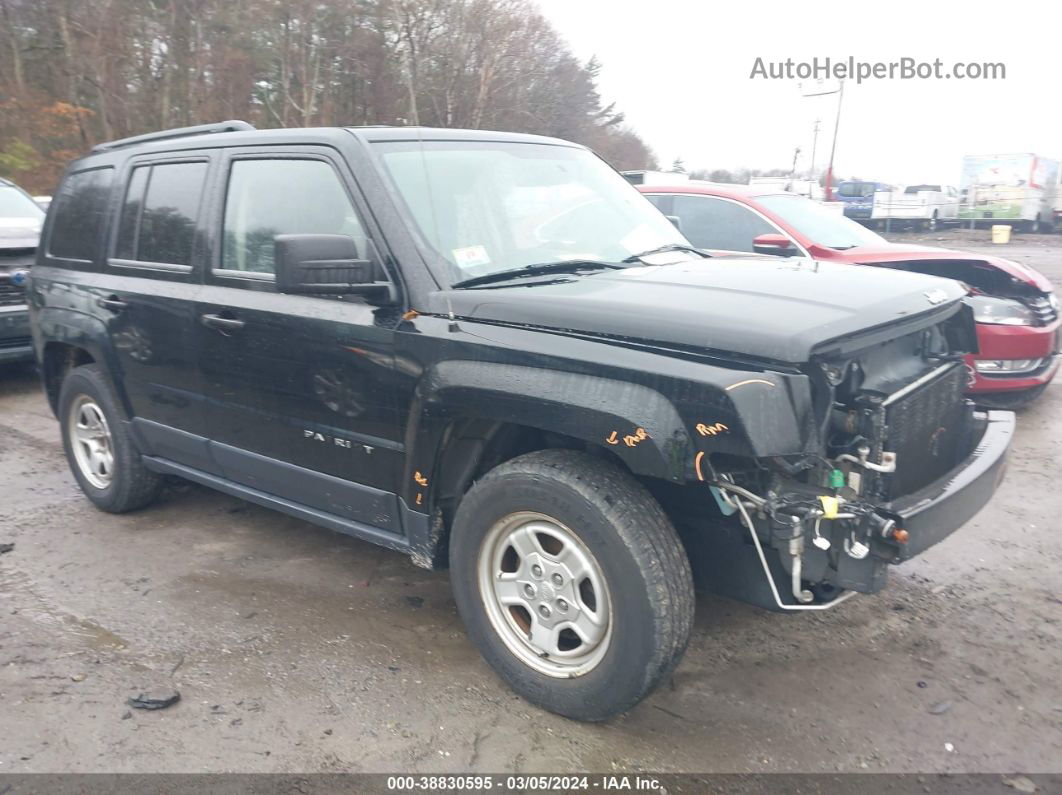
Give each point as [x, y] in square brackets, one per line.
[518, 536]
[98, 445]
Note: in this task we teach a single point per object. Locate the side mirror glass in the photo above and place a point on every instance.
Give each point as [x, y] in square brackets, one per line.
[778, 245]
[324, 265]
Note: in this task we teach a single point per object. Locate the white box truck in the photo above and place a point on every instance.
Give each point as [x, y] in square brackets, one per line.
[1018, 189]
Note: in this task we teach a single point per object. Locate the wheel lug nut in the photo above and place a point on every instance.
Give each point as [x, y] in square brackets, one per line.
[558, 580]
[544, 611]
[562, 605]
[529, 590]
[536, 570]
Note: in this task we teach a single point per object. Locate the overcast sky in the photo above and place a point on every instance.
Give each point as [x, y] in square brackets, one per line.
[680, 71]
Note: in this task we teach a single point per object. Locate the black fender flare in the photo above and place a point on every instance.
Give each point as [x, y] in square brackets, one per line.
[80, 330]
[638, 424]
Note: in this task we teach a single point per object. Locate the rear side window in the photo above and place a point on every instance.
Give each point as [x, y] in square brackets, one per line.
[278, 197]
[79, 211]
[158, 219]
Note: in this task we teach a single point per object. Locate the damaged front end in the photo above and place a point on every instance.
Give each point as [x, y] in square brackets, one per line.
[903, 460]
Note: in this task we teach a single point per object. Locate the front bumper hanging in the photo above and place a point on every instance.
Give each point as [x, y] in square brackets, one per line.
[812, 559]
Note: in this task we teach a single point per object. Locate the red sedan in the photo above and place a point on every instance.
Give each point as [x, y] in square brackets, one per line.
[1014, 305]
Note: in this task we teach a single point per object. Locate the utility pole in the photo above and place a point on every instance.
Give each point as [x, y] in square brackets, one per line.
[814, 146]
[839, 91]
[833, 144]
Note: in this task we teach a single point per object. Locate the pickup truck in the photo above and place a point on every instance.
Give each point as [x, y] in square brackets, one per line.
[923, 206]
[489, 352]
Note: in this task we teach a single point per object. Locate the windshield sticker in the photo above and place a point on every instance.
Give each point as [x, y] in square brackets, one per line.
[471, 256]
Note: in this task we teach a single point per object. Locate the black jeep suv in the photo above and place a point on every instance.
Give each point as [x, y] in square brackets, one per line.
[488, 351]
[20, 228]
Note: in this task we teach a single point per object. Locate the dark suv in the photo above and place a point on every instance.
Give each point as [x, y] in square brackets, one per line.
[20, 229]
[488, 351]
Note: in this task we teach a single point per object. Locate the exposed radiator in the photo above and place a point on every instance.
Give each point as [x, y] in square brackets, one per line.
[926, 426]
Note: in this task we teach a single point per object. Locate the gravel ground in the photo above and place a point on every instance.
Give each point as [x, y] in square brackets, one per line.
[296, 649]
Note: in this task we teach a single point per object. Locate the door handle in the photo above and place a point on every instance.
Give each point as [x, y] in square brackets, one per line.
[226, 325]
[112, 303]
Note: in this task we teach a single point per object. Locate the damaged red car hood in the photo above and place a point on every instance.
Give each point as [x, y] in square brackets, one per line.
[905, 252]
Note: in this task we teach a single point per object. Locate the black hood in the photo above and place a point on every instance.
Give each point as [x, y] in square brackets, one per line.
[777, 309]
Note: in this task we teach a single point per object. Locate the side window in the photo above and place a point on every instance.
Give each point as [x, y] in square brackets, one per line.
[708, 222]
[79, 213]
[158, 218]
[282, 197]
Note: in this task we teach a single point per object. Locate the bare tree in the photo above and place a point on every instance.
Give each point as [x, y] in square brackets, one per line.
[73, 72]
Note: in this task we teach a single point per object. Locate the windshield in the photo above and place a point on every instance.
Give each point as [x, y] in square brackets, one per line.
[489, 206]
[16, 204]
[820, 224]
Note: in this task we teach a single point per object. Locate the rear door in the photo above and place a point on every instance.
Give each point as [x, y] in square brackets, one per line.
[154, 268]
[301, 389]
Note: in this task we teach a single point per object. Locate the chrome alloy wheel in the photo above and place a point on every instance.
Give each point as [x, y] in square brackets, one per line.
[545, 595]
[91, 442]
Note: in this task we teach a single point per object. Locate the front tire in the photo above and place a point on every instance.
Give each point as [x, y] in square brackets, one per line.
[572, 582]
[98, 444]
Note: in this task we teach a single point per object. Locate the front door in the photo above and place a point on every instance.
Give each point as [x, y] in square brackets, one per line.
[721, 224]
[301, 389]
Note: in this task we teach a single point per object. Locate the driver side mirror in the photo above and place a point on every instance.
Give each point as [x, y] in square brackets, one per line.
[324, 265]
[778, 245]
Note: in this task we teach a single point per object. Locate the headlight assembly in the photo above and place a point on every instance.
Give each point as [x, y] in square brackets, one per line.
[1001, 311]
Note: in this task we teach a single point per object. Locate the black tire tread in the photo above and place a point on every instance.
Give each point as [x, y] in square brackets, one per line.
[648, 534]
[134, 486]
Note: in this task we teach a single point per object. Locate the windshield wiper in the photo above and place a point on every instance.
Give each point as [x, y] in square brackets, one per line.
[560, 266]
[668, 247]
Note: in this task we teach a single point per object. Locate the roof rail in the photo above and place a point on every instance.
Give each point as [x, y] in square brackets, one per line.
[233, 125]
